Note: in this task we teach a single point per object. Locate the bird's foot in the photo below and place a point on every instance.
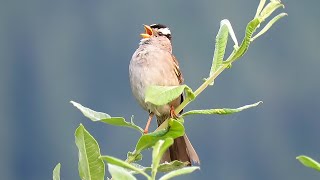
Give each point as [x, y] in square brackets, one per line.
[172, 113]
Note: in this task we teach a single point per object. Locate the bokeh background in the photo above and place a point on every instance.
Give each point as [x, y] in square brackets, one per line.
[52, 52]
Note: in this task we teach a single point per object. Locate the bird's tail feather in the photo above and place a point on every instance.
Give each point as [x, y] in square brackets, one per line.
[181, 150]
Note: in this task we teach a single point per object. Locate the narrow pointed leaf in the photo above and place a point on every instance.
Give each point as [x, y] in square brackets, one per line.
[182, 171]
[56, 172]
[174, 130]
[260, 7]
[171, 166]
[250, 29]
[268, 26]
[123, 164]
[222, 111]
[161, 95]
[309, 162]
[220, 46]
[158, 150]
[269, 9]
[90, 166]
[118, 173]
[105, 118]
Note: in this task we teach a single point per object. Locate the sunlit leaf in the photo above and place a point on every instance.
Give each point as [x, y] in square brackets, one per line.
[161, 95]
[158, 150]
[269, 9]
[178, 172]
[174, 130]
[220, 47]
[250, 29]
[118, 173]
[123, 164]
[56, 172]
[90, 166]
[309, 162]
[222, 111]
[268, 25]
[171, 166]
[106, 118]
[260, 7]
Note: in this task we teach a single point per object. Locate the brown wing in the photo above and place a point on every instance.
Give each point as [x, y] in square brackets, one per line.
[177, 70]
[179, 76]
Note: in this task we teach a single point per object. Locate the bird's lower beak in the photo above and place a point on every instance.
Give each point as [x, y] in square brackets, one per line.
[148, 32]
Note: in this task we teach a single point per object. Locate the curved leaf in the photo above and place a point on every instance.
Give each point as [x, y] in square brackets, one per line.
[250, 29]
[158, 150]
[182, 171]
[123, 164]
[220, 46]
[90, 166]
[119, 173]
[269, 9]
[260, 7]
[171, 166]
[161, 95]
[106, 118]
[309, 162]
[222, 111]
[174, 130]
[56, 172]
[268, 25]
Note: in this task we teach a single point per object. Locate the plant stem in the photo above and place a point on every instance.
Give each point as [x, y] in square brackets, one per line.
[202, 87]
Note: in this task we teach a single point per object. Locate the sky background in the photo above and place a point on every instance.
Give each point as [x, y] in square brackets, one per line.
[52, 52]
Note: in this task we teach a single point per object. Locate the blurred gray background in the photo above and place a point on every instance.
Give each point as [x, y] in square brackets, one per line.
[52, 52]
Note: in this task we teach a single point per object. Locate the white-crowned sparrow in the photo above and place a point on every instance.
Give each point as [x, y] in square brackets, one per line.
[154, 64]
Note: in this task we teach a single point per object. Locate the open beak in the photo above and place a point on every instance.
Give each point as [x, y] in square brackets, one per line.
[148, 32]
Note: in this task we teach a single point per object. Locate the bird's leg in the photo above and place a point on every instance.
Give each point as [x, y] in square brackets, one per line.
[148, 123]
[172, 113]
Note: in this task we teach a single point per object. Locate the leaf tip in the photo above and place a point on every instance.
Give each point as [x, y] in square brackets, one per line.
[75, 104]
[300, 157]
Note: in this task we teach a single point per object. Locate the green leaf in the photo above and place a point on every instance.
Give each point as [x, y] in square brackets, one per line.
[56, 172]
[143, 168]
[220, 47]
[165, 167]
[132, 157]
[174, 130]
[158, 150]
[171, 166]
[118, 173]
[90, 166]
[222, 111]
[106, 118]
[182, 171]
[161, 95]
[123, 164]
[260, 7]
[268, 26]
[309, 162]
[269, 9]
[250, 29]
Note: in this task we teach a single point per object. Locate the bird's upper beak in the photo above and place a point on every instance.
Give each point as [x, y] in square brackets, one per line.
[148, 32]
